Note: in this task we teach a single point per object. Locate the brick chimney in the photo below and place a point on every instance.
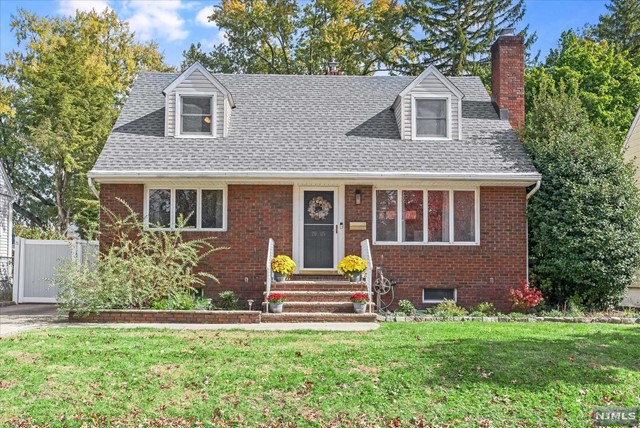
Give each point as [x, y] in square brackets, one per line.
[333, 68]
[507, 77]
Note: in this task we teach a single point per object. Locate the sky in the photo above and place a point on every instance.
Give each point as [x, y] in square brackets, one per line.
[175, 24]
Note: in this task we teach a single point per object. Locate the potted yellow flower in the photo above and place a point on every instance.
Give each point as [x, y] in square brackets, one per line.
[352, 267]
[282, 266]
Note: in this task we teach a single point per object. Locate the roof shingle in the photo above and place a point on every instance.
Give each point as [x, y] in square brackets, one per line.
[338, 124]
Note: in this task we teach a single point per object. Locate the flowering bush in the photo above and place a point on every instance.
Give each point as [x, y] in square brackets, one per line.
[524, 297]
[277, 298]
[359, 298]
[352, 265]
[283, 264]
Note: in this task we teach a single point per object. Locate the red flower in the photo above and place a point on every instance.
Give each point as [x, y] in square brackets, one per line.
[360, 298]
[277, 298]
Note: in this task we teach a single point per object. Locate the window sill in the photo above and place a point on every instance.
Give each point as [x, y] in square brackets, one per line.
[190, 229]
[195, 136]
[432, 138]
[430, 244]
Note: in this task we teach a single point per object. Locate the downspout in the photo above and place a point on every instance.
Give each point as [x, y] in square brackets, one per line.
[97, 194]
[534, 190]
[530, 193]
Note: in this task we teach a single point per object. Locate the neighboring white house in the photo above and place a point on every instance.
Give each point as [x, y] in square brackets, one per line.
[6, 201]
[631, 152]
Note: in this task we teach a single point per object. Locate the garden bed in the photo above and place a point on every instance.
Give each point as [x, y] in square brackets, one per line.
[167, 316]
[581, 320]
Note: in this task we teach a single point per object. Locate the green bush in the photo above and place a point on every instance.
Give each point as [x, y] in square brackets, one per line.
[406, 307]
[485, 308]
[584, 222]
[182, 302]
[477, 314]
[227, 300]
[448, 308]
[139, 270]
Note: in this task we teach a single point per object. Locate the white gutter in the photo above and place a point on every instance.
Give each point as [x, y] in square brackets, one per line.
[535, 177]
[534, 190]
[92, 186]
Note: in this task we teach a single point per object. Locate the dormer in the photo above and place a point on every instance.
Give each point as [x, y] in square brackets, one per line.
[430, 108]
[197, 105]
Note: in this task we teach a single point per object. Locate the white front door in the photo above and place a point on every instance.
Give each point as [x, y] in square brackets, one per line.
[320, 228]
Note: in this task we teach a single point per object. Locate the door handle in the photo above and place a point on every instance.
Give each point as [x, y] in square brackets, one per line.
[336, 228]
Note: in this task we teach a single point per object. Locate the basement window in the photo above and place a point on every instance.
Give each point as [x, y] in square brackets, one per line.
[186, 209]
[438, 295]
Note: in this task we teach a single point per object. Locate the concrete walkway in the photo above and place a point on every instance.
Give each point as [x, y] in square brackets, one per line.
[18, 318]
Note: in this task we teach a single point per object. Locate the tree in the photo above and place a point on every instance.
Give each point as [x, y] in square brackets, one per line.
[584, 222]
[283, 37]
[606, 82]
[621, 27]
[70, 76]
[456, 35]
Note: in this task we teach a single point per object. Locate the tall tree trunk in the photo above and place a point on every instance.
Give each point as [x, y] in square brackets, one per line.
[60, 182]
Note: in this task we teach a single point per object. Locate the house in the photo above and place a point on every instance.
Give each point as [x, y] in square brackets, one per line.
[6, 230]
[429, 169]
[631, 153]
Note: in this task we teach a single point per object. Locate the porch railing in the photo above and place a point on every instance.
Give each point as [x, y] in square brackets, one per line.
[365, 253]
[270, 252]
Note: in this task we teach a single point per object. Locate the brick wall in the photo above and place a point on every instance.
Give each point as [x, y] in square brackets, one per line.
[507, 77]
[255, 214]
[480, 273]
[180, 317]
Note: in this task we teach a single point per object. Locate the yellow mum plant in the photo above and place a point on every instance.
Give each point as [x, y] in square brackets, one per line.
[352, 265]
[283, 264]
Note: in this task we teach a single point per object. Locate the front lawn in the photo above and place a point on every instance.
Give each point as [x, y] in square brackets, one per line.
[431, 374]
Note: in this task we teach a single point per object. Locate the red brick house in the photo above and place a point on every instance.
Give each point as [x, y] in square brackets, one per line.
[429, 169]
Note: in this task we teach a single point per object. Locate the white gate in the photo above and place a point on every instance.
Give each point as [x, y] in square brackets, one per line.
[35, 263]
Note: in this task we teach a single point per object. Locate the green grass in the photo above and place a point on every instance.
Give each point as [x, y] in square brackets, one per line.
[420, 374]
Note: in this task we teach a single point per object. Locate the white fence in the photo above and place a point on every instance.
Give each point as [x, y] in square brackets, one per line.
[35, 263]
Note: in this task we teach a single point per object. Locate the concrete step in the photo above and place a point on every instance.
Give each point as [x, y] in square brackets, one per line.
[303, 317]
[318, 286]
[315, 307]
[315, 296]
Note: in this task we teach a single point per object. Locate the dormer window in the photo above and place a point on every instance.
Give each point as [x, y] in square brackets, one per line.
[431, 117]
[196, 115]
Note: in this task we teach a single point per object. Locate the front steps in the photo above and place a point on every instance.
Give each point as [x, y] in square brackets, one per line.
[317, 300]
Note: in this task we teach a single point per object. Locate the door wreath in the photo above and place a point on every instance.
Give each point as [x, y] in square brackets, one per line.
[319, 208]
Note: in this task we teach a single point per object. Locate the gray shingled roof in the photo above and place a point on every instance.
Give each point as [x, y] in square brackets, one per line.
[330, 124]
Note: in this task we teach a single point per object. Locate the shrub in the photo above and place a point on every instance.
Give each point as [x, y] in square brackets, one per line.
[352, 265]
[139, 269]
[584, 222]
[477, 314]
[448, 308]
[227, 300]
[516, 315]
[524, 297]
[407, 307]
[283, 264]
[182, 302]
[277, 298]
[359, 298]
[485, 308]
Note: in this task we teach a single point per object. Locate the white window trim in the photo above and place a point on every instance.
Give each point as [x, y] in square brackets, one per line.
[444, 97]
[214, 120]
[455, 295]
[172, 219]
[425, 224]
